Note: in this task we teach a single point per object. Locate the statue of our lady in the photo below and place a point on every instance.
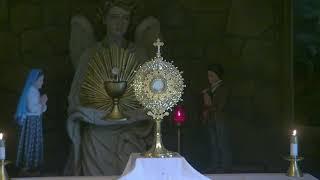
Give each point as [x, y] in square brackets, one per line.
[102, 147]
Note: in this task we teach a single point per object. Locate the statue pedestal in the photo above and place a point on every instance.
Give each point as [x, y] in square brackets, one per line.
[175, 168]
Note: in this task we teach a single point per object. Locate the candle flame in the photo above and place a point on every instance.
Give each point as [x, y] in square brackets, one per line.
[179, 113]
[294, 132]
[1, 136]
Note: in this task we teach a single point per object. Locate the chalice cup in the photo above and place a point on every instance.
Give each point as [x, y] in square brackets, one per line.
[115, 90]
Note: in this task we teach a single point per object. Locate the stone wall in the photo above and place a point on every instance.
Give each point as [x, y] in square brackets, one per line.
[245, 36]
[34, 34]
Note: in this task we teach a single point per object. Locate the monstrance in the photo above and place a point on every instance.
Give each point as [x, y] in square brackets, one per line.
[158, 86]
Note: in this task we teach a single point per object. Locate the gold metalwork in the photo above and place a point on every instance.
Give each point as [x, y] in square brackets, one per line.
[115, 90]
[158, 150]
[158, 86]
[3, 173]
[294, 170]
[179, 138]
[93, 92]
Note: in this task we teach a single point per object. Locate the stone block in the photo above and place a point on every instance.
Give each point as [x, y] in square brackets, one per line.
[35, 42]
[240, 110]
[58, 38]
[250, 17]
[259, 59]
[182, 44]
[178, 52]
[209, 25]
[25, 16]
[9, 47]
[7, 111]
[58, 68]
[86, 8]
[196, 49]
[309, 134]
[267, 103]
[179, 36]
[36, 60]
[56, 12]
[215, 51]
[15, 2]
[12, 76]
[206, 5]
[58, 72]
[233, 47]
[272, 34]
[182, 51]
[243, 88]
[174, 15]
[3, 13]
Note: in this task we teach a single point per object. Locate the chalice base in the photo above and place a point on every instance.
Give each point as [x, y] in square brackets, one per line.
[111, 118]
[115, 114]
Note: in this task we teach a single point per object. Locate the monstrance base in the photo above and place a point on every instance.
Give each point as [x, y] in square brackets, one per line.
[159, 153]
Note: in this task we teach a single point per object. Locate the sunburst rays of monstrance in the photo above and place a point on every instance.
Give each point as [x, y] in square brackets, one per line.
[114, 65]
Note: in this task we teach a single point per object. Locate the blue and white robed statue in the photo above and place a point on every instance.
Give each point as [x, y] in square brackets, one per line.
[28, 116]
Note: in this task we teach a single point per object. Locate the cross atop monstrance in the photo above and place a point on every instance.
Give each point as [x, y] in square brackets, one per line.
[158, 44]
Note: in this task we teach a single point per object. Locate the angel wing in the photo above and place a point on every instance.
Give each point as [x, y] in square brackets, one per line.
[81, 38]
[145, 35]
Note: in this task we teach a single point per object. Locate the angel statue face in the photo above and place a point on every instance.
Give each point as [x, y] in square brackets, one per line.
[117, 20]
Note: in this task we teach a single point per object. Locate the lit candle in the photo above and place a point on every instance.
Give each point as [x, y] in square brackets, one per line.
[2, 148]
[179, 115]
[294, 144]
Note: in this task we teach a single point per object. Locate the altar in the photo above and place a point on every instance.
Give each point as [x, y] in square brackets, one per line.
[175, 168]
[262, 176]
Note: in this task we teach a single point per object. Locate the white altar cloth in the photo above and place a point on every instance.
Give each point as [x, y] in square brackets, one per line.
[268, 176]
[175, 168]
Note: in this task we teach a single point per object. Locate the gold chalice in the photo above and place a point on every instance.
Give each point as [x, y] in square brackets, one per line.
[115, 89]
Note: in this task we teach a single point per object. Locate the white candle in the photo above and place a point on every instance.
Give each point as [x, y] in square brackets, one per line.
[294, 144]
[2, 148]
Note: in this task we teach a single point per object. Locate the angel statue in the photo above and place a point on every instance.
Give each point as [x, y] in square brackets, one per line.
[102, 147]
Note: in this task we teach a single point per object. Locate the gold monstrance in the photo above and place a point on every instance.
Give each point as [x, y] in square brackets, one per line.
[158, 86]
